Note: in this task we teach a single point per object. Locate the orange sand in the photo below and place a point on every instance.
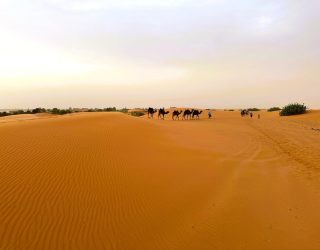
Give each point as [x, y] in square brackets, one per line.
[112, 181]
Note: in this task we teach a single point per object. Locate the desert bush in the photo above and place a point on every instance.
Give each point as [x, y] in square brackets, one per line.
[124, 110]
[110, 109]
[17, 112]
[293, 109]
[64, 111]
[33, 111]
[274, 109]
[57, 111]
[253, 109]
[38, 110]
[137, 113]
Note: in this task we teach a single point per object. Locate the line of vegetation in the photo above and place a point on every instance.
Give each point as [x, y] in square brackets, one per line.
[56, 111]
[253, 109]
[293, 109]
[23, 112]
[110, 109]
[274, 109]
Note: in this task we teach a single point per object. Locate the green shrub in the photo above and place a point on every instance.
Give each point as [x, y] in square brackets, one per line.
[253, 109]
[57, 111]
[124, 110]
[137, 113]
[110, 109]
[293, 109]
[17, 112]
[274, 109]
[38, 110]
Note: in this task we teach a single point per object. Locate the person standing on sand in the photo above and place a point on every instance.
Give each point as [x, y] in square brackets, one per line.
[251, 114]
[209, 114]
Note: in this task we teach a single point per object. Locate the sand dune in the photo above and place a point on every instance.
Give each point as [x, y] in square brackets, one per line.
[112, 181]
[26, 117]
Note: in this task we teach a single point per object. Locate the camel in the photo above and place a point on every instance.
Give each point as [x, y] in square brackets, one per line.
[176, 114]
[162, 113]
[186, 114]
[196, 114]
[151, 111]
[244, 112]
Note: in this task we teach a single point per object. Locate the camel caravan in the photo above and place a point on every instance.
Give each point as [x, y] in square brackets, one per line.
[187, 114]
[245, 112]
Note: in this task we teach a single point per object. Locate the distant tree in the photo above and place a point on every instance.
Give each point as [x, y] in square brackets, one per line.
[38, 110]
[57, 111]
[110, 109]
[2, 114]
[124, 110]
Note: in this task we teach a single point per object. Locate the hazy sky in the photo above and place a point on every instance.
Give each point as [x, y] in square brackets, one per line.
[136, 53]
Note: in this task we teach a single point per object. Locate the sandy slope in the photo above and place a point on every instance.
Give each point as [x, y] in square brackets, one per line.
[26, 117]
[111, 181]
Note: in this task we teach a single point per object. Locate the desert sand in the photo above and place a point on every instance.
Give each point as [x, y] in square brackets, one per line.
[113, 181]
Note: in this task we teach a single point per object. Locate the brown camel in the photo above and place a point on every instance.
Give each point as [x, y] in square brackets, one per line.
[151, 111]
[196, 113]
[186, 114]
[162, 113]
[176, 114]
[244, 112]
